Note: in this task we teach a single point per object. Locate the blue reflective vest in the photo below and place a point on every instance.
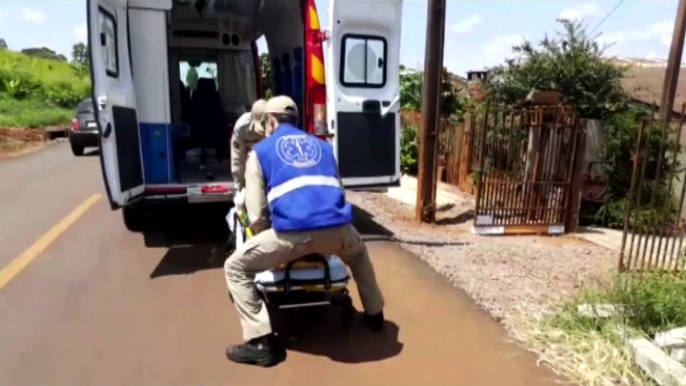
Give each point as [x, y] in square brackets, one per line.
[303, 189]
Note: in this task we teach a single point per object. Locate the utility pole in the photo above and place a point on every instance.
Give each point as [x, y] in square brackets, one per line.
[673, 64]
[431, 98]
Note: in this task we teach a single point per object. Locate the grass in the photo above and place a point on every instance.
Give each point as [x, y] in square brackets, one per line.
[31, 113]
[588, 350]
[46, 71]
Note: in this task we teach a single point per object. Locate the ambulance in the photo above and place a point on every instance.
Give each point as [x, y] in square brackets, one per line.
[170, 78]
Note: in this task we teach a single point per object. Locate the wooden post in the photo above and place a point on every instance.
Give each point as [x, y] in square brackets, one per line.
[673, 64]
[428, 134]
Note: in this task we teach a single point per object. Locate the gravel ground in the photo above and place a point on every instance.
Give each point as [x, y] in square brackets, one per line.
[500, 273]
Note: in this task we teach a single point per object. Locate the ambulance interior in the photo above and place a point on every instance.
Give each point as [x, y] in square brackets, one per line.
[215, 39]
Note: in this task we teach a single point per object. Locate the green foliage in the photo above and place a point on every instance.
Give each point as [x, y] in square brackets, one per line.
[411, 91]
[409, 150]
[44, 53]
[266, 74]
[192, 78]
[647, 302]
[656, 202]
[31, 113]
[411, 84]
[571, 63]
[80, 59]
[44, 71]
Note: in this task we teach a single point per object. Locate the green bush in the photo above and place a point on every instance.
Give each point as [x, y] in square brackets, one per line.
[31, 113]
[409, 150]
[647, 302]
[657, 201]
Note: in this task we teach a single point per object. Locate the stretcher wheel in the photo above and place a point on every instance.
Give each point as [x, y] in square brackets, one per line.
[347, 312]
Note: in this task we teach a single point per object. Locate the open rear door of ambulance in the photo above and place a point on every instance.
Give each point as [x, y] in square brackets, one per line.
[363, 90]
[114, 100]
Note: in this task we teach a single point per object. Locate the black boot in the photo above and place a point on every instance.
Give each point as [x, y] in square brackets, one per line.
[375, 322]
[265, 351]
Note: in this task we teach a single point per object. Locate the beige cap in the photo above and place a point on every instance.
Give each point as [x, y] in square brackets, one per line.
[282, 105]
[257, 113]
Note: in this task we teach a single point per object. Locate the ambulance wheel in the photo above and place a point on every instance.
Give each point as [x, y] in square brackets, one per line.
[347, 312]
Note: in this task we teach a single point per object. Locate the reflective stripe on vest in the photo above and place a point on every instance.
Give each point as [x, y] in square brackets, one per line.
[301, 182]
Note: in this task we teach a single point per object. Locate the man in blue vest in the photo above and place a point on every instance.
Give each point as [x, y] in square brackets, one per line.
[296, 206]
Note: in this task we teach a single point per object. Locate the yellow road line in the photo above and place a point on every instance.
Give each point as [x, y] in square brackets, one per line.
[20, 262]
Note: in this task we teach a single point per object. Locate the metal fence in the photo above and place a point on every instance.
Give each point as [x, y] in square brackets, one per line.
[654, 225]
[525, 163]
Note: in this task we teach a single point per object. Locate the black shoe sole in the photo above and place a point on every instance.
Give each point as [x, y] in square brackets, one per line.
[263, 362]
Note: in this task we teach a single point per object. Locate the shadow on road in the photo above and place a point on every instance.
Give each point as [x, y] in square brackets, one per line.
[373, 231]
[358, 345]
[195, 238]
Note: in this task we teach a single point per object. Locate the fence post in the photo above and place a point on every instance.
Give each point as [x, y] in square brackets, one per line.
[574, 203]
[466, 142]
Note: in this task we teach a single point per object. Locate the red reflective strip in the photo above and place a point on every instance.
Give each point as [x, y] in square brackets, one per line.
[214, 189]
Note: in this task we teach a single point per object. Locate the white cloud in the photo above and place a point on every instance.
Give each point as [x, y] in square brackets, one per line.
[81, 33]
[502, 43]
[3, 13]
[30, 15]
[466, 25]
[580, 11]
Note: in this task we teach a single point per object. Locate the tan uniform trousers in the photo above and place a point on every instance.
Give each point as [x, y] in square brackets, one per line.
[270, 249]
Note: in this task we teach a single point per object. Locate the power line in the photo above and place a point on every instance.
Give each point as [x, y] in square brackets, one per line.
[606, 16]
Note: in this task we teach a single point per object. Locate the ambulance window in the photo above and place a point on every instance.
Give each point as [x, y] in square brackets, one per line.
[108, 39]
[363, 63]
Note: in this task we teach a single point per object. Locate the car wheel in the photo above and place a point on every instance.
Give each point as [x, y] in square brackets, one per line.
[77, 150]
[135, 218]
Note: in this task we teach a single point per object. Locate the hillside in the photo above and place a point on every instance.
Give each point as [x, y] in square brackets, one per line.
[37, 92]
[644, 80]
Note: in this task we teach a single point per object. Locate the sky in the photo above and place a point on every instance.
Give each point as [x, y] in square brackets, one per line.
[479, 34]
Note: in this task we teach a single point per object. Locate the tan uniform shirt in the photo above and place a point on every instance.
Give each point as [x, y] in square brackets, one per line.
[256, 203]
[242, 140]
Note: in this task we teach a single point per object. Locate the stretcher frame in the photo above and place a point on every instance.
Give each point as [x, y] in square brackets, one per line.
[289, 291]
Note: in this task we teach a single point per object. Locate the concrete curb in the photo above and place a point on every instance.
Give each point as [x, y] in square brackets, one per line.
[656, 363]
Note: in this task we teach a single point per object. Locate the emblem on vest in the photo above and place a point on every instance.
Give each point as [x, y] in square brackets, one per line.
[300, 151]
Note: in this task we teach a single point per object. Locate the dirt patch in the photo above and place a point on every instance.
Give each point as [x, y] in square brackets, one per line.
[17, 141]
[501, 274]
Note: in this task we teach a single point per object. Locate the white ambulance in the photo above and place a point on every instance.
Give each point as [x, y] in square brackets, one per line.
[170, 77]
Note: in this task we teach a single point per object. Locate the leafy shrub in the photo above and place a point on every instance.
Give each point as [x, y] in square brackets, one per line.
[18, 84]
[657, 201]
[64, 95]
[409, 150]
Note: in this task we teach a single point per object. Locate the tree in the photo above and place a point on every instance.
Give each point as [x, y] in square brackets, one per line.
[3, 44]
[192, 78]
[79, 54]
[411, 83]
[571, 63]
[44, 53]
[266, 72]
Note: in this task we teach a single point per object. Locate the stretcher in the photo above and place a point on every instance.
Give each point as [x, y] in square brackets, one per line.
[310, 281]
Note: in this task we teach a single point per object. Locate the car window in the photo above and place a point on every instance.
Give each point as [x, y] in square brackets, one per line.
[86, 107]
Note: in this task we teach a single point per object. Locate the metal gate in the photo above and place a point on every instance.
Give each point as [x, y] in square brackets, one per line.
[654, 225]
[526, 174]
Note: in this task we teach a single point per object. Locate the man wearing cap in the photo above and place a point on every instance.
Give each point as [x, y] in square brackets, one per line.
[296, 206]
[247, 131]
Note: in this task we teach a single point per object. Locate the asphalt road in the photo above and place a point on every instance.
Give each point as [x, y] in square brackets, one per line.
[85, 302]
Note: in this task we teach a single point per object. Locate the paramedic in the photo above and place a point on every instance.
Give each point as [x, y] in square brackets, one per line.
[296, 206]
[247, 131]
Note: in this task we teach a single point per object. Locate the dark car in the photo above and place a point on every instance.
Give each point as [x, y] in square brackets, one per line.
[84, 129]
